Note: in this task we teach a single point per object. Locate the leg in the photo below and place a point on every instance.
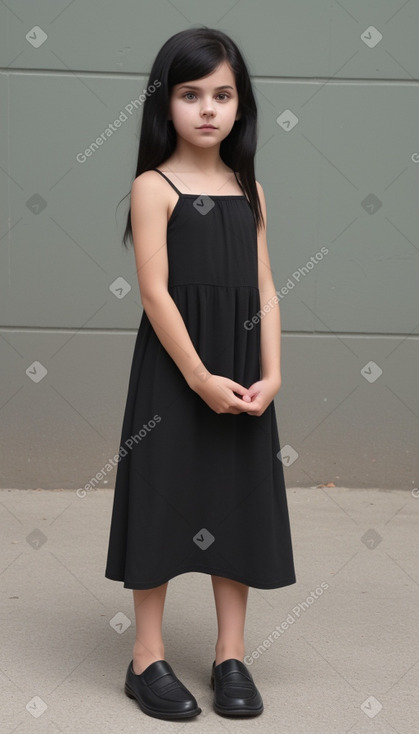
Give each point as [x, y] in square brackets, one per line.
[230, 601]
[149, 607]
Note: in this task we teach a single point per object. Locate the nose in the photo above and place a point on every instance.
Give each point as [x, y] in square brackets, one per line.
[207, 107]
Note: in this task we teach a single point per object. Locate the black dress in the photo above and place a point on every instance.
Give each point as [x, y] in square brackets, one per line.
[196, 490]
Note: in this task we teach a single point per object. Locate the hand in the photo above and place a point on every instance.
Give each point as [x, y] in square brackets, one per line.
[261, 394]
[219, 393]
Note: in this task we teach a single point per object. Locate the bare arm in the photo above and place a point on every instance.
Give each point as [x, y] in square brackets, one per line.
[270, 325]
[149, 208]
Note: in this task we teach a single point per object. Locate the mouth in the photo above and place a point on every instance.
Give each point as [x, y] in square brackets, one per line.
[207, 127]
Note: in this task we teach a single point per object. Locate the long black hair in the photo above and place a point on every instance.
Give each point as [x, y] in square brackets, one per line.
[188, 55]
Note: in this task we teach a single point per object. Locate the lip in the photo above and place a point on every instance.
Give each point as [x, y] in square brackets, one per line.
[207, 127]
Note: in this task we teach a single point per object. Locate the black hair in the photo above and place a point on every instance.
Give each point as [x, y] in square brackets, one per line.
[188, 55]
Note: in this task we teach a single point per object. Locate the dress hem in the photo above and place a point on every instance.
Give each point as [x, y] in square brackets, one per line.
[272, 585]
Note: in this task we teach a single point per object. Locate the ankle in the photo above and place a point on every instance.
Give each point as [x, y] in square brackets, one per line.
[143, 657]
[227, 650]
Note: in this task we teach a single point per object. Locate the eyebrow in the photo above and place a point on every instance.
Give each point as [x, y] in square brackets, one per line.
[192, 86]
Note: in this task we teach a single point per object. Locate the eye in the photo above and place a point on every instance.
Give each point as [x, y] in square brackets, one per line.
[224, 95]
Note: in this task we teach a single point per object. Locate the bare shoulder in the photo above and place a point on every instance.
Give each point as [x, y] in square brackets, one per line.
[149, 183]
[260, 190]
[150, 194]
[262, 199]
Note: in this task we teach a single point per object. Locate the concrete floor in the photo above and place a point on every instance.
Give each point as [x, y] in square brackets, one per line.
[346, 660]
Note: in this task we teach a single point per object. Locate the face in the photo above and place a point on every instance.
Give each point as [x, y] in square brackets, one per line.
[213, 100]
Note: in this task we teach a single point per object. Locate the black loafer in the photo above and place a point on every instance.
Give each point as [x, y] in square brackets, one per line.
[235, 693]
[160, 693]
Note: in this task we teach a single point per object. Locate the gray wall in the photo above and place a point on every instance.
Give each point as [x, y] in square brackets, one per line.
[343, 177]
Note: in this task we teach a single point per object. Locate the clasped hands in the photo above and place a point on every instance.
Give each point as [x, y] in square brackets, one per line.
[227, 396]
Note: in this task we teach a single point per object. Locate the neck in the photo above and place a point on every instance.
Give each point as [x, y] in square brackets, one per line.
[190, 158]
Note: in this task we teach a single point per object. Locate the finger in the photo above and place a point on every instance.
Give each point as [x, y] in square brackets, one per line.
[253, 407]
[243, 398]
[236, 387]
[240, 402]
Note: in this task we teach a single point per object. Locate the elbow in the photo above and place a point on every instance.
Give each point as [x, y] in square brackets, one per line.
[154, 298]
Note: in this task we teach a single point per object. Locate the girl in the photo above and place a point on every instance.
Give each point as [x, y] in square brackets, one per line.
[200, 484]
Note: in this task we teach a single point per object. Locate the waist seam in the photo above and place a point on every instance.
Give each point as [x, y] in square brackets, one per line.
[213, 285]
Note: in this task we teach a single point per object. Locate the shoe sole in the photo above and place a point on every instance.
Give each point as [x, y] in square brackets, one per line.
[232, 711]
[160, 714]
[237, 712]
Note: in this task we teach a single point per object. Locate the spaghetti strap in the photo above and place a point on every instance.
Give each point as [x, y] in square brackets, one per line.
[168, 181]
[177, 190]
